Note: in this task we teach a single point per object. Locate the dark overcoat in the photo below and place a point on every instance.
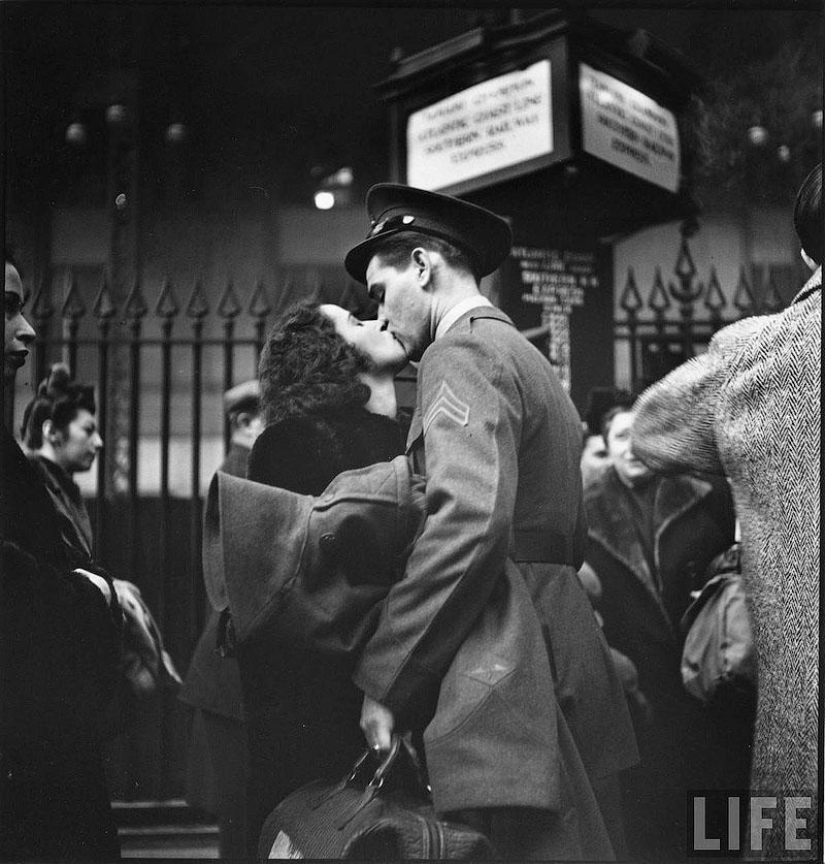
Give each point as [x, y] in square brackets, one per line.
[301, 708]
[502, 442]
[693, 521]
[59, 653]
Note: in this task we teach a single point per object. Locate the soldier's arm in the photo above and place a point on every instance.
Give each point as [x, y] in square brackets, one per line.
[471, 426]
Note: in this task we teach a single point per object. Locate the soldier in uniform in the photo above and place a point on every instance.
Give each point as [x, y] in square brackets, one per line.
[499, 442]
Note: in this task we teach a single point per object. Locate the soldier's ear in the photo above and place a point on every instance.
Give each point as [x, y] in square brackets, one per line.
[422, 261]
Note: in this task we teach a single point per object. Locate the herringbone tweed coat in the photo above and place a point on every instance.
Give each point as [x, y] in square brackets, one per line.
[750, 408]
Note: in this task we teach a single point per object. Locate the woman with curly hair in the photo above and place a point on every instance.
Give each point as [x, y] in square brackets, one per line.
[328, 397]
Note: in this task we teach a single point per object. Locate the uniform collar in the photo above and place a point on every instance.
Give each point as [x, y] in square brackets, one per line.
[454, 313]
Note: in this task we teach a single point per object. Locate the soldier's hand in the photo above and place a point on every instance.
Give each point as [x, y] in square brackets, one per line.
[377, 723]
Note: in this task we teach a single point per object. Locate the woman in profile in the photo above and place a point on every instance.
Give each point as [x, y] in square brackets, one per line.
[59, 643]
[328, 398]
[60, 432]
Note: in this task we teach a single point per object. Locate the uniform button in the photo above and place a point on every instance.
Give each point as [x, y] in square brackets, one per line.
[328, 542]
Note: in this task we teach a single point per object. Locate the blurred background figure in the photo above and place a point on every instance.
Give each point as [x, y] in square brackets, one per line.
[242, 404]
[594, 450]
[650, 541]
[217, 763]
[751, 408]
[60, 432]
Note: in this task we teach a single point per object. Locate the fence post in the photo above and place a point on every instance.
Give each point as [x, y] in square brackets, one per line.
[42, 311]
[104, 310]
[196, 309]
[73, 310]
[659, 302]
[228, 310]
[135, 310]
[686, 294]
[715, 300]
[631, 302]
[743, 298]
[259, 308]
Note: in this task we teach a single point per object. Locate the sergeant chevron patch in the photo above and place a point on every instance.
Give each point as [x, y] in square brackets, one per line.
[447, 403]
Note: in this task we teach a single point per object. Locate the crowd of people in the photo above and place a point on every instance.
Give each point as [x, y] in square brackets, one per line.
[523, 626]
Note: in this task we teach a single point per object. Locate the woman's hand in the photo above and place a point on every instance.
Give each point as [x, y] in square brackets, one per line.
[377, 723]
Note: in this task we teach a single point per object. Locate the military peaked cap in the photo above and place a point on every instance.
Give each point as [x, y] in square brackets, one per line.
[393, 208]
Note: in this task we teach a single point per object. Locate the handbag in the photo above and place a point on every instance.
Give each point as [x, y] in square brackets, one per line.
[719, 650]
[389, 818]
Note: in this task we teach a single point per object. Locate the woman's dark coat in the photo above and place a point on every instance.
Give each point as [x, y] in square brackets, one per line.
[302, 711]
[693, 522]
[58, 660]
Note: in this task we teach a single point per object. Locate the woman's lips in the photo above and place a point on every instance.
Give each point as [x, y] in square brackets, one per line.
[17, 358]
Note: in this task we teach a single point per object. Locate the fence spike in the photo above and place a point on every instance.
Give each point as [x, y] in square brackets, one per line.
[73, 306]
[104, 307]
[743, 296]
[658, 300]
[42, 308]
[259, 304]
[228, 305]
[136, 306]
[714, 298]
[631, 300]
[167, 305]
[685, 269]
[772, 301]
[196, 305]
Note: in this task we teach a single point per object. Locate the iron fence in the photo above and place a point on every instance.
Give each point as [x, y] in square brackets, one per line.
[675, 322]
[153, 537]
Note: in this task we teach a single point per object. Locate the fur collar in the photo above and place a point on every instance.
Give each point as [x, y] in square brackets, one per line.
[610, 520]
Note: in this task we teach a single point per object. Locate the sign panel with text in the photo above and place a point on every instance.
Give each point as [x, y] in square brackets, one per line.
[488, 127]
[628, 129]
[555, 282]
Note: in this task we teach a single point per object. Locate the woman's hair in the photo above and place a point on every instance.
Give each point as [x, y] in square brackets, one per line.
[395, 251]
[807, 215]
[58, 399]
[307, 368]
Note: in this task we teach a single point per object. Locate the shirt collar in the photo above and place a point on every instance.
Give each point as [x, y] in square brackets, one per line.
[454, 313]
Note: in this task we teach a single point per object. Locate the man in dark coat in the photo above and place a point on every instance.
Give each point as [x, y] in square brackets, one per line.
[499, 442]
[216, 777]
[650, 541]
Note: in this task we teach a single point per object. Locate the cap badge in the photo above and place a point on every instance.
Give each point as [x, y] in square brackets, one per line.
[389, 224]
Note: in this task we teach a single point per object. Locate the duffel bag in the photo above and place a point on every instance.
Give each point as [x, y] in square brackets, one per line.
[390, 818]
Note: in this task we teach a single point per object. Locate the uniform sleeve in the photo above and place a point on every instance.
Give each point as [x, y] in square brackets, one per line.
[471, 422]
[674, 424]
